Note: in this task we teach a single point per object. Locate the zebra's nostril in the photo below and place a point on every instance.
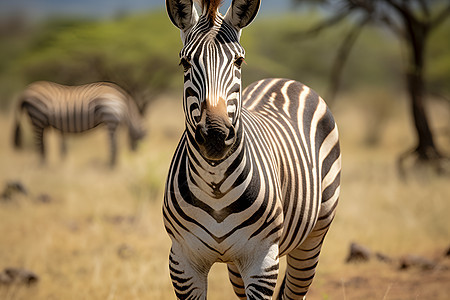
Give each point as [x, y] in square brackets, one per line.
[214, 139]
[231, 136]
[200, 134]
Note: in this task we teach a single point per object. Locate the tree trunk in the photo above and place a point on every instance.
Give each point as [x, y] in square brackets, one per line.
[426, 148]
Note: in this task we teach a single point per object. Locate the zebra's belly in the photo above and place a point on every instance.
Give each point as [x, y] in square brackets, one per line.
[73, 123]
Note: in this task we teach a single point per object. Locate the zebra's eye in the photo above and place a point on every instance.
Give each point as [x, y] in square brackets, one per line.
[239, 61]
[185, 63]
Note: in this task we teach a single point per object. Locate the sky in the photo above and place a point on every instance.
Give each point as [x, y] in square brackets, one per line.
[41, 9]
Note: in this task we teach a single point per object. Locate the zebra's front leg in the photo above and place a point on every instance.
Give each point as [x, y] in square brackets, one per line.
[112, 143]
[259, 272]
[63, 146]
[189, 278]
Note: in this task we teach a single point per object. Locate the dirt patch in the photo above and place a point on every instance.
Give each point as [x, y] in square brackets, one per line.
[376, 280]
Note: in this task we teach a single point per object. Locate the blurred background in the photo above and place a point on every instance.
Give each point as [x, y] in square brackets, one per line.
[86, 231]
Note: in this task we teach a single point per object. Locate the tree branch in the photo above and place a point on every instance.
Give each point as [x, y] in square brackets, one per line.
[440, 18]
[425, 9]
[342, 57]
[388, 21]
[318, 28]
[366, 5]
[402, 9]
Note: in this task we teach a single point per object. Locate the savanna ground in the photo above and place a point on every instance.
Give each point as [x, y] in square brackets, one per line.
[99, 233]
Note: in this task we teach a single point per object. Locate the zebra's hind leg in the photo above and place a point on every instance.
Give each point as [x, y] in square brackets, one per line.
[301, 268]
[39, 138]
[237, 281]
[302, 262]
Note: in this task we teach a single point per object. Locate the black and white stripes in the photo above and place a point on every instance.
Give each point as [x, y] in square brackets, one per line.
[255, 175]
[75, 109]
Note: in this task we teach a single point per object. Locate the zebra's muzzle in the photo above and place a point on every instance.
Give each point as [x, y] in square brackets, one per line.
[214, 141]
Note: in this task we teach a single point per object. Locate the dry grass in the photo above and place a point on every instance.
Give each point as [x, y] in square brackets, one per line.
[101, 235]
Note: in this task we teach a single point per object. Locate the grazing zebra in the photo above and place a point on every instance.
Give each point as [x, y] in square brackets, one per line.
[256, 174]
[75, 109]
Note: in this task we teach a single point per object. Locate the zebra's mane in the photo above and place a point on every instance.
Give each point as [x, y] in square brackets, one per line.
[211, 7]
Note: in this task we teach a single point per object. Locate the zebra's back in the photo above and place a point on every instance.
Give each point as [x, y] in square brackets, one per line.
[303, 140]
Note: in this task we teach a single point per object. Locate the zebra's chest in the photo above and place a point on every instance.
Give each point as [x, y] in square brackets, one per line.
[220, 218]
[222, 231]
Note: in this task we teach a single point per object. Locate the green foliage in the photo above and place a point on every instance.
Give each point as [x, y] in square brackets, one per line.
[438, 60]
[279, 47]
[140, 53]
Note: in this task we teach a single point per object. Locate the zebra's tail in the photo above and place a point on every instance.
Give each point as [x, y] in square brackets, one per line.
[18, 129]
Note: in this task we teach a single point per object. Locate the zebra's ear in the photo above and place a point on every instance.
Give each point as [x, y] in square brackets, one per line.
[242, 12]
[182, 13]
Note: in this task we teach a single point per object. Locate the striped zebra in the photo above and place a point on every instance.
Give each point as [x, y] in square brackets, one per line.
[256, 175]
[75, 109]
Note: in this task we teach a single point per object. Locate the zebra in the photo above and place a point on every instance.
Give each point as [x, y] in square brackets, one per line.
[75, 109]
[256, 173]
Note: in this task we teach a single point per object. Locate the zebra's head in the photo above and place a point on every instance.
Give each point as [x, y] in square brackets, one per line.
[135, 135]
[212, 57]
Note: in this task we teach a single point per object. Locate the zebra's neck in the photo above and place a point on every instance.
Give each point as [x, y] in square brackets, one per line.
[218, 178]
